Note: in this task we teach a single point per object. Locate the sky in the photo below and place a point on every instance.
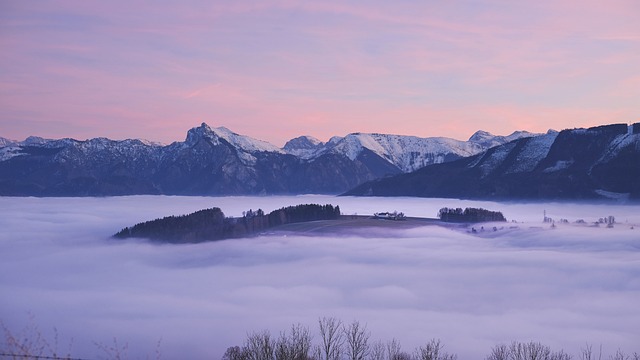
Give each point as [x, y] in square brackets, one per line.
[565, 287]
[274, 70]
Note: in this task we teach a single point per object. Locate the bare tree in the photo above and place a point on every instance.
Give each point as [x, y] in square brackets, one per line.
[587, 353]
[560, 355]
[284, 349]
[260, 346]
[432, 350]
[377, 351]
[530, 351]
[332, 339]
[357, 339]
[619, 355]
[30, 342]
[393, 349]
[499, 352]
[235, 353]
[296, 346]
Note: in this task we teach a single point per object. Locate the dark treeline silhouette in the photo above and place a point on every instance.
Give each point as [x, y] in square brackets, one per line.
[336, 340]
[211, 224]
[469, 215]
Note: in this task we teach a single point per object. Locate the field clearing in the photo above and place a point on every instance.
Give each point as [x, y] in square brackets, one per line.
[357, 225]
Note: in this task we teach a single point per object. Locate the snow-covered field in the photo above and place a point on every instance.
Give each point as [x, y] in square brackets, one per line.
[565, 287]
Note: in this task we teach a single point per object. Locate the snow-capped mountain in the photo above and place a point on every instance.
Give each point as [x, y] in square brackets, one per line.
[407, 153]
[592, 163]
[304, 147]
[488, 140]
[217, 161]
[211, 161]
[6, 142]
[241, 142]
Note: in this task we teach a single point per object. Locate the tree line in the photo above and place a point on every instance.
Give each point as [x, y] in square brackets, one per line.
[212, 224]
[352, 341]
[334, 340]
[469, 215]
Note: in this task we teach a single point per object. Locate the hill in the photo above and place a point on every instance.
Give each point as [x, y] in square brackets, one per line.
[211, 224]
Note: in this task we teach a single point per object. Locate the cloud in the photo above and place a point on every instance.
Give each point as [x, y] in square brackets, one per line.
[156, 71]
[563, 287]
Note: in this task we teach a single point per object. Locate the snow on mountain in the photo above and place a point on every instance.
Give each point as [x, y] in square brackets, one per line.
[482, 137]
[246, 143]
[303, 146]
[594, 163]
[196, 134]
[406, 152]
[621, 142]
[533, 152]
[493, 158]
[527, 158]
[488, 140]
[7, 152]
[245, 146]
[409, 153]
[219, 161]
[7, 142]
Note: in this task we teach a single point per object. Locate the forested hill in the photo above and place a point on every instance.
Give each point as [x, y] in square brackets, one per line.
[211, 224]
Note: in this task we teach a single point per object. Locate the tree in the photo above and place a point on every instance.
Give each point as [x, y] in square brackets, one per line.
[331, 337]
[296, 346]
[357, 339]
[393, 349]
[433, 351]
[377, 351]
[259, 346]
[531, 351]
[235, 353]
[499, 352]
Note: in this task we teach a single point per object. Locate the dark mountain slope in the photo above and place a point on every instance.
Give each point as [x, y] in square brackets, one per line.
[592, 163]
[208, 162]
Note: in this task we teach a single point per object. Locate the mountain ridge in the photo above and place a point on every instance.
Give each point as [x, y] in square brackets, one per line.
[594, 163]
[217, 161]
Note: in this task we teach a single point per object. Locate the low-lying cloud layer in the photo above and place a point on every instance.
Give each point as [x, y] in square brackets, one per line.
[564, 287]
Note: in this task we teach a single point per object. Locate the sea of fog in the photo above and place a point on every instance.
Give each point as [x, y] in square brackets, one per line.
[565, 287]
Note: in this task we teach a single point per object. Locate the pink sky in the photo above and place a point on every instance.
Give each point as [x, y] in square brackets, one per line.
[279, 69]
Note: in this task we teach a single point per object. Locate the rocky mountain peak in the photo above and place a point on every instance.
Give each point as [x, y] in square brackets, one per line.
[481, 136]
[194, 135]
[302, 142]
[303, 146]
[7, 142]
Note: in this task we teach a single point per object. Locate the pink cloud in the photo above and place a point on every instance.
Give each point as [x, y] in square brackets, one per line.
[278, 70]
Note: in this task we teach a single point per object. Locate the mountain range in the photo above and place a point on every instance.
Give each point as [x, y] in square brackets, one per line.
[578, 163]
[597, 163]
[217, 161]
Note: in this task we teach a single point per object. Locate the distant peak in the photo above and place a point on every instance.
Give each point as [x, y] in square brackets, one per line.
[197, 133]
[302, 142]
[241, 143]
[481, 135]
[34, 140]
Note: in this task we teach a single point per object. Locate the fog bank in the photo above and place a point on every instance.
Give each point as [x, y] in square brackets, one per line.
[564, 287]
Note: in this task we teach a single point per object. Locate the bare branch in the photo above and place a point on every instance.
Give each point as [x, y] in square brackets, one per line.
[332, 338]
[357, 339]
